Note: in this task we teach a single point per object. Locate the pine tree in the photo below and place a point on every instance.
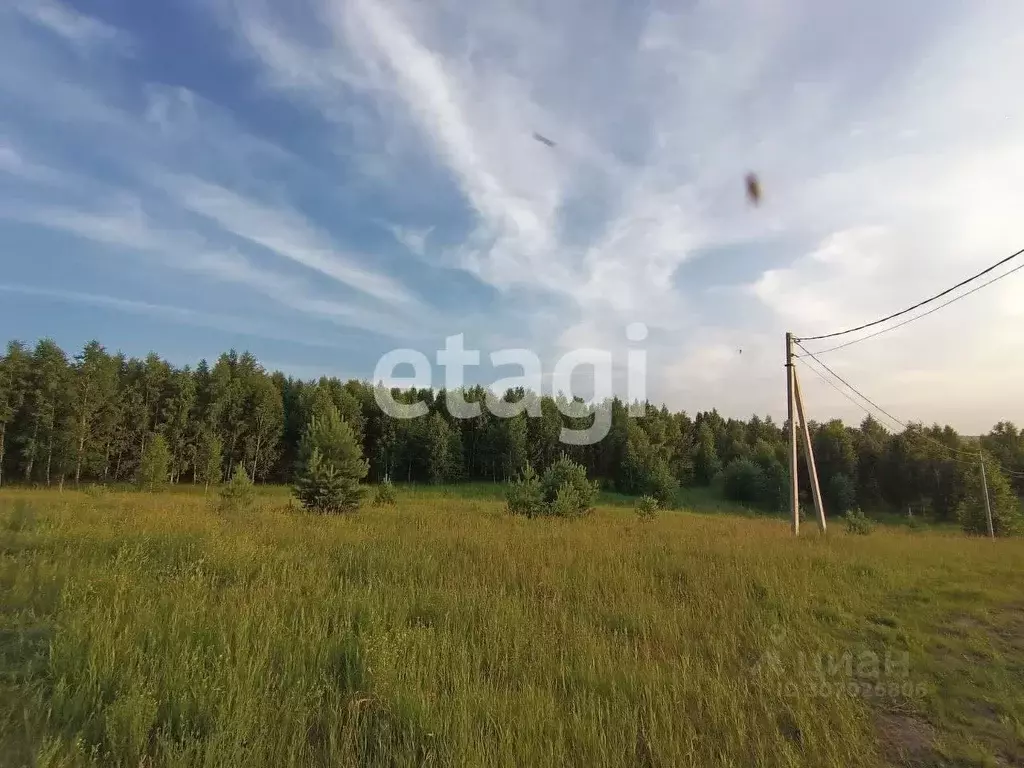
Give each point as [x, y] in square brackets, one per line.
[238, 494]
[525, 496]
[155, 466]
[322, 488]
[331, 465]
[567, 490]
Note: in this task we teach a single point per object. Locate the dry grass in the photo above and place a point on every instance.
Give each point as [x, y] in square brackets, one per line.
[148, 630]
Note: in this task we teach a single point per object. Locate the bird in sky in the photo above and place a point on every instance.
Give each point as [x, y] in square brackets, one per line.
[543, 139]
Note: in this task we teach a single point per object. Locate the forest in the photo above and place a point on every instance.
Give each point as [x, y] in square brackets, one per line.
[88, 418]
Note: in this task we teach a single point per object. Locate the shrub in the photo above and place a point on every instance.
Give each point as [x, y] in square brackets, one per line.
[646, 508]
[856, 523]
[566, 472]
[525, 495]
[743, 481]
[323, 488]
[563, 491]
[385, 493]
[238, 494]
[567, 502]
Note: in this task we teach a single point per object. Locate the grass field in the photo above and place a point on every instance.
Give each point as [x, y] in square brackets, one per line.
[149, 630]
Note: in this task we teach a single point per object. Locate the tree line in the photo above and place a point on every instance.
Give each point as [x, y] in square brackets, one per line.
[88, 418]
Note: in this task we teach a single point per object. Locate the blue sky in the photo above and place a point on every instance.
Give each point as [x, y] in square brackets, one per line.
[323, 181]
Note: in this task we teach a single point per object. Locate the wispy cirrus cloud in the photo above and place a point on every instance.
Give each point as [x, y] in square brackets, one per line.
[125, 226]
[15, 163]
[158, 206]
[286, 233]
[657, 114]
[82, 31]
[349, 136]
[184, 315]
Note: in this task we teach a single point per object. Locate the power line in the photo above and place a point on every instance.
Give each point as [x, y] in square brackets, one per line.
[903, 424]
[869, 412]
[919, 304]
[923, 314]
[836, 387]
[853, 389]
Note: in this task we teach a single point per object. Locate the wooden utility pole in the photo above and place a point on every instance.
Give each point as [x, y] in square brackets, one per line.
[812, 470]
[988, 508]
[794, 493]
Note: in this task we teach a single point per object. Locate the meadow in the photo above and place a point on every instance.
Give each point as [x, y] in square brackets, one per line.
[151, 630]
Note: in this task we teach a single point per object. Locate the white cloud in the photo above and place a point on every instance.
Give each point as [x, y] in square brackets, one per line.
[14, 162]
[184, 315]
[124, 225]
[286, 233]
[890, 167]
[413, 239]
[888, 140]
[76, 28]
[159, 143]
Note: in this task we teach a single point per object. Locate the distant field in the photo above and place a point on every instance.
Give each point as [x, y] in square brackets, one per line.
[147, 630]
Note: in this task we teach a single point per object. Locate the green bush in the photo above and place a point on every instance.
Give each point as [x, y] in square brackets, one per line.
[646, 508]
[525, 496]
[238, 494]
[323, 488]
[567, 502]
[856, 523]
[566, 472]
[563, 491]
[385, 493]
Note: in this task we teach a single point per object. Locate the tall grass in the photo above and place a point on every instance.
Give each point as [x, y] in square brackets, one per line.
[150, 630]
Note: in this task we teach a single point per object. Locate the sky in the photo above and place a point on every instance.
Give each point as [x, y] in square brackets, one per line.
[323, 181]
